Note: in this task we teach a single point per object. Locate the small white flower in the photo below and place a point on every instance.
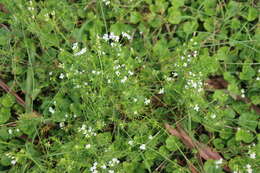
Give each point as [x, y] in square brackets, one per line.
[135, 112]
[61, 124]
[142, 147]
[117, 73]
[219, 162]
[50, 73]
[81, 52]
[87, 146]
[51, 110]
[124, 34]
[107, 2]
[196, 108]
[13, 162]
[213, 116]
[130, 73]
[150, 137]
[115, 160]
[249, 169]
[161, 91]
[135, 99]
[10, 131]
[104, 167]
[253, 155]
[111, 171]
[75, 116]
[124, 79]
[131, 143]
[258, 78]
[18, 130]
[108, 81]
[61, 76]
[147, 101]
[75, 46]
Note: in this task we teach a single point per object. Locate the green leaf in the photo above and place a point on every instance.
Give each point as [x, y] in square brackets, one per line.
[172, 143]
[244, 135]
[209, 24]
[248, 120]
[28, 124]
[252, 14]
[190, 27]
[210, 167]
[7, 100]
[218, 143]
[5, 114]
[174, 16]
[5, 161]
[4, 135]
[177, 3]
[135, 17]
[247, 73]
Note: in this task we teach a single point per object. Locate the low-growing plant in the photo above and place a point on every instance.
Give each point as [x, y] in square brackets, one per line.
[87, 86]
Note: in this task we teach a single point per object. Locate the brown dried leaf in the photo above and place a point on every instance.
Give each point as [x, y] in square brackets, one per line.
[216, 82]
[7, 89]
[204, 151]
[3, 9]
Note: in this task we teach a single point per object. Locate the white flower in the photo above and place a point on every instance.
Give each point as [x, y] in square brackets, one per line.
[213, 116]
[135, 99]
[147, 101]
[18, 130]
[51, 110]
[75, 46]
[82, 51]
[117, 73]
[87, 146]
[249, 169]
[142, 147]
[150, 137]
[61, 124]
[111, 171]
[61, 76]
[115, 160]
[124, 79]
[10, 131]
[50, 73]
[13, 162]
[107, 2]
[219, 162]
[131, 142]
[161, 91]
[104, 167]
[252, 155]
[196, 108]
[258, 78]
[130, 73]
[124, 34]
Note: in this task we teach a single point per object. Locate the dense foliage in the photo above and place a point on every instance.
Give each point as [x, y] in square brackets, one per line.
[100, 78]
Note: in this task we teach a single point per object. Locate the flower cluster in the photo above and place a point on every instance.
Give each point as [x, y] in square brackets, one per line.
[193, 83]
[87, 132]
[107, 2]
[78, 52]
[13, 159]
[112, 163]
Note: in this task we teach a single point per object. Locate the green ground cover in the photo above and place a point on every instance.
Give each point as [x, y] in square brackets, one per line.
[130, 86]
